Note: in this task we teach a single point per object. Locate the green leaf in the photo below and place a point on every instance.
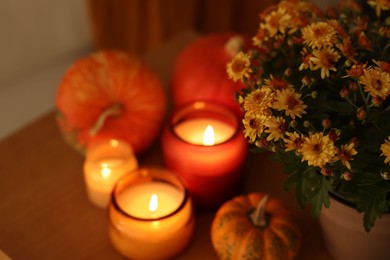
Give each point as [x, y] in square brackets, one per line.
[373, 206]
[321, 197]
[310, 188]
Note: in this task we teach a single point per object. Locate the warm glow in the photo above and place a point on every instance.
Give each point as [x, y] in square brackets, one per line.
[114, 143]
[105, 171]
[153, 204]
[208, 137]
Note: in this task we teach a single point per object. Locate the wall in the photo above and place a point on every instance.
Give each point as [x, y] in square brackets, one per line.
[39, 40]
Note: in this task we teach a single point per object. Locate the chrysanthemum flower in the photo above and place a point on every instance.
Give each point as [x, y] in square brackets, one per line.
[318, 150]
[289, 101]
[384, 65]
[276, 83]
[357, 70]
[376, 82]
[347, 48]
[364, 41]
[275, 127]
[259, 101]
[324, 59]
[276, 22]
[293, 141]
[253, 126]
[385, 148]
[379, 5]
[239, 66]
[319, 35]
[305, 59]
[345, 154]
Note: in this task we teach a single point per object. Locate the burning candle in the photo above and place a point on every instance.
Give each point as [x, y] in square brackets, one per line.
[106, 162]
[203, 142]
[150, 215]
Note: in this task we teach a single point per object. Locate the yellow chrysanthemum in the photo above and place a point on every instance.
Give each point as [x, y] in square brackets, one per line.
[345, 154]
[376, 82]
[289, 101]
[259, 101]
[319, 35]
[253, 126]
[239, 67]
[305, 59]
[276, 22]
[293, 142]
[379, 5]
[385, 148]
[276, 83]
[325, 60]
[318, 150]
[275, 127]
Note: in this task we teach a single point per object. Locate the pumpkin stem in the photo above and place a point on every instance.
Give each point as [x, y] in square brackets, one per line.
[234, 45]
[258, 217]
[113, 110]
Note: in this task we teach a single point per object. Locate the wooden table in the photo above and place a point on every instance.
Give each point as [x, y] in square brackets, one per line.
[45, 213]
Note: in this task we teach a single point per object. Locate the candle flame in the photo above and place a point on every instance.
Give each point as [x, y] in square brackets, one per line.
[105, 171]
[208, 137]
[153, 204]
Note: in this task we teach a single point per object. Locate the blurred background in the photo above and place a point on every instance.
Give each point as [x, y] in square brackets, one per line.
[40, 39]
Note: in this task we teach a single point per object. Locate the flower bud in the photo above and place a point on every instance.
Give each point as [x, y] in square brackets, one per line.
[288, 72]
[326, 123]
[314, 94]
[307, 81]
[344, 92]
[377, 101]
[355, 141]
[334, 134]
[326, 171]
[353, 86]
[361, 113]
[293, 123]
[306, 123]
[385, 175]
[262, 143]
[347, 176]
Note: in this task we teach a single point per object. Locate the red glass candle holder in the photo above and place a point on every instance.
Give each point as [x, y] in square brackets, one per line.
[212, 171]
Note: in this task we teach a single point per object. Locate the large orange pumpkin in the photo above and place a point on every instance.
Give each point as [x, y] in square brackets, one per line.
[199, 71]
[110, 94]
[255, 227]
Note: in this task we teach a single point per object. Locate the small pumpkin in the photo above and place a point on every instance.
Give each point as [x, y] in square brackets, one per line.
[255, 227]
[110, 94]
[199, 71]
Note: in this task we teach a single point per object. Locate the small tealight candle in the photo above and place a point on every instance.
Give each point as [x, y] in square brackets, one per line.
[203, 143]
[150, 215]
[106, 162]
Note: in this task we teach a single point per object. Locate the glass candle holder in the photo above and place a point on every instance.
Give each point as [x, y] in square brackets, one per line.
[150, 215]
[203, 143]
[106, 161]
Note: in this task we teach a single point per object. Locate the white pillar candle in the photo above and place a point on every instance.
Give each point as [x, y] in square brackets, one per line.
[105, 163]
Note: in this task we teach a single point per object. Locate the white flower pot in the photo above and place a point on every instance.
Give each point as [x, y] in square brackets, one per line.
[345, 237]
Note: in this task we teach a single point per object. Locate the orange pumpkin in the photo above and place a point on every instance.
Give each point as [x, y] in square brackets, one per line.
[110, 94]
[199, 71]
[255, 227]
